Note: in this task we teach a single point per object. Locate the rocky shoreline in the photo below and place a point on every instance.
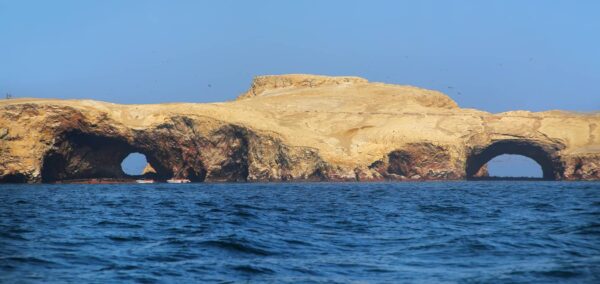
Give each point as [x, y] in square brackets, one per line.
[291, 128]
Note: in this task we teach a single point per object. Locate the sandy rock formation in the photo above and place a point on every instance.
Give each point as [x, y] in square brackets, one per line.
[291, 127]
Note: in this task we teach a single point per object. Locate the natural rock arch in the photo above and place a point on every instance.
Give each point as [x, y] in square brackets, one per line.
[80, 155]
[544, 155]
[284, 128]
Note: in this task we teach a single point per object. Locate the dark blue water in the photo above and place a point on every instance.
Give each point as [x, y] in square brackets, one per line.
[313, 232]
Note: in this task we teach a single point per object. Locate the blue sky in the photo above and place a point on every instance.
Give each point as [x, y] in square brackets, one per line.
[490, 55]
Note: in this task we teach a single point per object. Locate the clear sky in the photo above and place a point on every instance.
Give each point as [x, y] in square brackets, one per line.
[491, 55]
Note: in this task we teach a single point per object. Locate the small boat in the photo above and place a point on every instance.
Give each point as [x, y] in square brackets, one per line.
[144, 181]
[178, 180]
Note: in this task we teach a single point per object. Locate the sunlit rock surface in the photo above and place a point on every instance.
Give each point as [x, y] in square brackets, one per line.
[291, 127]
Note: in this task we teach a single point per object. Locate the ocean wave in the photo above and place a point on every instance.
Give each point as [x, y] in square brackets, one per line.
[302, 232]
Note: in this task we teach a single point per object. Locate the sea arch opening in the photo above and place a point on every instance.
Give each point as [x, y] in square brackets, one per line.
[509, 166]
[83, 156]
[136, 164]
[479, 158]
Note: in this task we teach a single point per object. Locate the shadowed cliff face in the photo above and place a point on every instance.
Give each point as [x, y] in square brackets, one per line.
[286, 128]
[181, 147]
[418, 161]
[583, 167]
[14, 178]
[79, 155]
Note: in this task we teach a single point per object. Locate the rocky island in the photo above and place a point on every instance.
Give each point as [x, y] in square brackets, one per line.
[291, 128]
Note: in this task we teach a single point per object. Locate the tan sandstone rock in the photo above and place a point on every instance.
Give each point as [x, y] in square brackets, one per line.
[291, 127]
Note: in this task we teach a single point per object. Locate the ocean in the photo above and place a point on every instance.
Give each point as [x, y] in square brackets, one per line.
[492, 231]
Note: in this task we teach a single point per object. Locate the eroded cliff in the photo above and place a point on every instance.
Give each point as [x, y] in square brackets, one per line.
[291, 127]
